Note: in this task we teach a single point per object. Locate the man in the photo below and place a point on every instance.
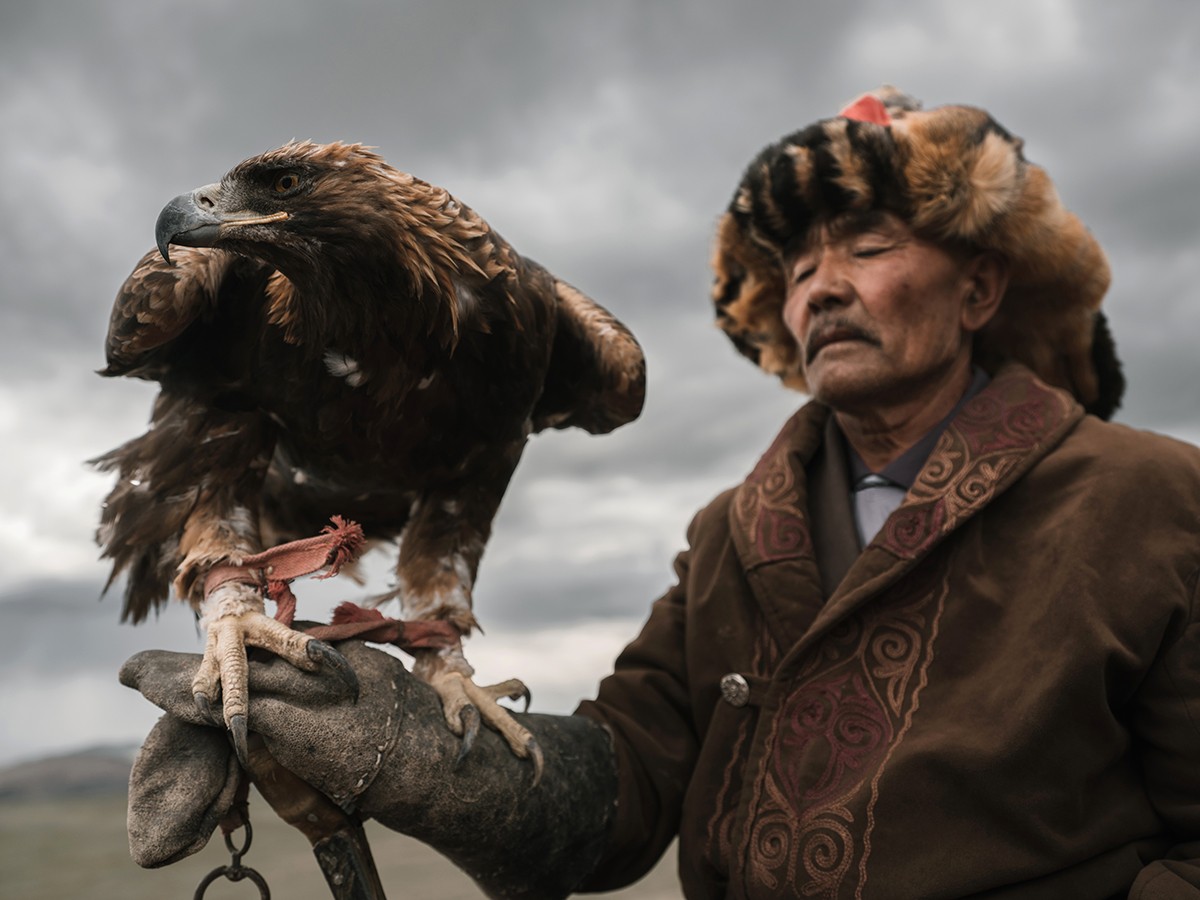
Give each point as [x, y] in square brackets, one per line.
[939, 643]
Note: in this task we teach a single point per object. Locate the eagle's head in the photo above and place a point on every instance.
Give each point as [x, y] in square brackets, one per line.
[307, 207]
[346, 231]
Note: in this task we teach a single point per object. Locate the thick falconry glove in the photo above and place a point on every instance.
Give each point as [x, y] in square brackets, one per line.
[388, 757]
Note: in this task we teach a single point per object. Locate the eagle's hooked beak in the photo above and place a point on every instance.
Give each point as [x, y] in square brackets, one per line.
[195, 219]
[185, 222]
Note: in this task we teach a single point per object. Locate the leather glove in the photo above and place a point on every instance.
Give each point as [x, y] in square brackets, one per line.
[388, 756]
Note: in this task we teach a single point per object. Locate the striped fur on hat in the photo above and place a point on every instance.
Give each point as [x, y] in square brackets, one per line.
[956, 176]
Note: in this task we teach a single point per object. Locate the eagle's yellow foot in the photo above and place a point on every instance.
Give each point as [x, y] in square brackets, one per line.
[465, 703]
[235, 619]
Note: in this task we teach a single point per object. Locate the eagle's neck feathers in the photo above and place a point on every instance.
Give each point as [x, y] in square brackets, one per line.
[407, 266]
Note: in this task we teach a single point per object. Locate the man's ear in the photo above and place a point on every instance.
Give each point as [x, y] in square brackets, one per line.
[987, 280]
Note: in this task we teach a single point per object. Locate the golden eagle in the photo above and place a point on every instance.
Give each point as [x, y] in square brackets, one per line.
[334, 336]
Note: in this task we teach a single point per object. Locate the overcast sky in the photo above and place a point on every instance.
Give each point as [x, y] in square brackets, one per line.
[602, 139]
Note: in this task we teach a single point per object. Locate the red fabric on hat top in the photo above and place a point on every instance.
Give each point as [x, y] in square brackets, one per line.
[867, 108]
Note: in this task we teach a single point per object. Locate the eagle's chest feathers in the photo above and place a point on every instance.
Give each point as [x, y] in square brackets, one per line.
[399, 367]
[386, 384]
[343, 365]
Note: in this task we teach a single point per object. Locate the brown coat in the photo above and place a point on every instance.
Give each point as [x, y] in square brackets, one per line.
[1001, 697]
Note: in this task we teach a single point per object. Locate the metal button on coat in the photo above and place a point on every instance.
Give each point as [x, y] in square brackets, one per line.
[735, 690]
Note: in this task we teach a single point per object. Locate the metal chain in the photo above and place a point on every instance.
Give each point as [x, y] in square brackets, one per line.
[235, 871]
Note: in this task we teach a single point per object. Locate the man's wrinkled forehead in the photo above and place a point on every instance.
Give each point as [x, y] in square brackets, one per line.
[838, 228]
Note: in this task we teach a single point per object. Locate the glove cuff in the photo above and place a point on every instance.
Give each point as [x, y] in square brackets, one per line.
[515, 839]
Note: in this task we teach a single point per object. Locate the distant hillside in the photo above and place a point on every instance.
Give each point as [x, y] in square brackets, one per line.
[62, 834]
[89, 772]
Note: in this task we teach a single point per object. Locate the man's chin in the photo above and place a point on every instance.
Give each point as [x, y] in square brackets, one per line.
[865, 388]
[845, 397]
[843, 387]
[857, 393]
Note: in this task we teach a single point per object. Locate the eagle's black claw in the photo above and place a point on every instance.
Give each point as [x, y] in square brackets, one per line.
[526, 696]
[469, 717]
[535, 756]
[319, 651]
[204, 705]
[238, 731]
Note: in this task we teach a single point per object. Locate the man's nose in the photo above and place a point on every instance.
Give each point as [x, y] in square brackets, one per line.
[828, 286]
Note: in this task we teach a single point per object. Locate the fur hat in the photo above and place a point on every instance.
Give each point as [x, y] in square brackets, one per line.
[957, 177]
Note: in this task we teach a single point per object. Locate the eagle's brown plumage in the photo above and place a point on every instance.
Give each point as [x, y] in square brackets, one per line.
[340, 337]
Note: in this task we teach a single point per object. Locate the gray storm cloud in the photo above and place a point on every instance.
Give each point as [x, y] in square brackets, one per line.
[602, 140]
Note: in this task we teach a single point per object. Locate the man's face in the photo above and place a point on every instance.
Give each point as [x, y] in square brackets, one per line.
[879, 313]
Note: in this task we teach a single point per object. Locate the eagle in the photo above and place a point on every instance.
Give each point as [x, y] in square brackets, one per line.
[333, 336]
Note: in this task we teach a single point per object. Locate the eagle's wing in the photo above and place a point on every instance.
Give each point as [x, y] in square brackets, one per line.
[188, 491]
[158, 301]
[165, 477]
[597, 375]
[167, 325]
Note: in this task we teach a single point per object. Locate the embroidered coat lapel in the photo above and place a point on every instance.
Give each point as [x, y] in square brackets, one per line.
[996, 437]
[771, 529]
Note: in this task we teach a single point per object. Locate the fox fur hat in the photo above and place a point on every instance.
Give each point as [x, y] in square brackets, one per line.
[958, 178]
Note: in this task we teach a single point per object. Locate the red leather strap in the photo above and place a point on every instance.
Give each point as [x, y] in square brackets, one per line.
[353, 621]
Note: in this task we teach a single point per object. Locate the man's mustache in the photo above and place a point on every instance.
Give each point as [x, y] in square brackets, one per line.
[832, 331]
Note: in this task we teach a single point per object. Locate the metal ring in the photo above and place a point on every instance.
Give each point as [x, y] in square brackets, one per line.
[233, 873]
[238, 852]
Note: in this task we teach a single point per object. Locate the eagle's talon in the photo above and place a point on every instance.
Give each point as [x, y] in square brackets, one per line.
[320, 652]
[239, 732]
[467, 705]
[204, 705]
[523, 695]
[469, 720]
[535, 756]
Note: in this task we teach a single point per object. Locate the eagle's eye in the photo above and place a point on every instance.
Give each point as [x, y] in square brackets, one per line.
[287, 182]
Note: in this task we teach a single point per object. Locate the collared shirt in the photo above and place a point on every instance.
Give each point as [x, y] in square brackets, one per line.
[874, 495]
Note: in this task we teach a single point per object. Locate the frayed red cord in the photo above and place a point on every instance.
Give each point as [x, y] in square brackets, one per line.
[349, 544]
[339, 544]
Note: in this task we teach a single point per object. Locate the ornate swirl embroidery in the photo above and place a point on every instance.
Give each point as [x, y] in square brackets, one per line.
[908, 530]
[826, 855]
[852, 704]
[940, 469]
[892, 656]
[772, 840]
[781, 534]
[768, 505]
[1025, 421]
[986, 447]
[776, 484]
[838, 713]
[986, 407]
